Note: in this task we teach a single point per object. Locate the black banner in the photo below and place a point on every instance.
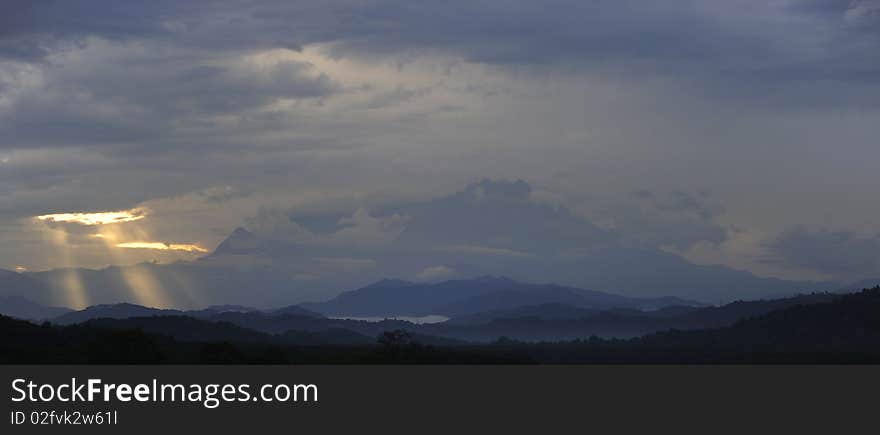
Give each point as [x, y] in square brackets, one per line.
[450, 399]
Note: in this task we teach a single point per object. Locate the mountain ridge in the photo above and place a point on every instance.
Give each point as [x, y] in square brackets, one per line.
[467, 296]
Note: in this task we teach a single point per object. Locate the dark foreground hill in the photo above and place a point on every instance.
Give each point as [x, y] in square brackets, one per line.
[848, 323]
[115, 341]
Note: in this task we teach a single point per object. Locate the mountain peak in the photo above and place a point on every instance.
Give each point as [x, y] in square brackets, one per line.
[493, 278]
[390, 283]
[500, 189]
[239, 240]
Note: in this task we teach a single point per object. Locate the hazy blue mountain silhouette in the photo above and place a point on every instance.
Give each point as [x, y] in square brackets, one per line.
[112, 311]
[28, 287]
[547, 311]
[294, 310]
[21, 308]
[218, 309]
[460, 297]
[543, 322]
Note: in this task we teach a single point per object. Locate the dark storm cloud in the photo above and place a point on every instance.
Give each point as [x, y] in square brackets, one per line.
[699, 204]
[137, 95]
[32, 29]
[676, 219]
[838, 253]
[106, 104]
[837, 9]
[668, 35]
[732, 54]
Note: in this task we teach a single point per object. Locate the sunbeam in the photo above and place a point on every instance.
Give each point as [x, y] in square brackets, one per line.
[141, 283]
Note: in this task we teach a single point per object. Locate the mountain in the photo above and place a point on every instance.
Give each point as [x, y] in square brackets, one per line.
[459, 297]
[542, 311]
[21, 308]
[553, 321]
[183, 328]
[293, 310]
[848, 323]
[860, 285]
[126, 310]
[113, 341]
[220, 309]
[114, 311]
[808, 329]
[26, 286]
[558, 311]
[240, 241]
[563, 322]
[727, 314]
[276, 323]
[332, 337]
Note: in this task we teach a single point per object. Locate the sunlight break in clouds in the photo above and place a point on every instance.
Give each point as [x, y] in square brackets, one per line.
[162, 246]
[97, 218]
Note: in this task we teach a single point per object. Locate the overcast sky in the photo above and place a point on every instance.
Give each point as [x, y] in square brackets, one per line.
[735, 132]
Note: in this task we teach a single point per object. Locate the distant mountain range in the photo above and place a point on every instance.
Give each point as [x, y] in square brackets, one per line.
[808, 329]
[481, 310]
[127, 311]
[560, 322]
[460, 297]
[21, 308]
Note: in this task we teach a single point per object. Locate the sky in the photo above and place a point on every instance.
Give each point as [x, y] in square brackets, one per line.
[736, 132]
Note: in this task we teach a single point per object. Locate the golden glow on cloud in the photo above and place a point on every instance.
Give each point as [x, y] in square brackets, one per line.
[162, 246]
[20, 269]
[97, 218]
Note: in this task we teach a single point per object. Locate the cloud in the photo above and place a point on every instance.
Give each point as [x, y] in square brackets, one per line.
[842, 254]
[162, 246]
[33, 29]
[485, 250]
[684, 202]
[95, 218]
[436, 273]
[106, 106]
[735, 37]
[116, 93]
[358, 229]
[221, 194]
[278, 225]
[676, 220]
